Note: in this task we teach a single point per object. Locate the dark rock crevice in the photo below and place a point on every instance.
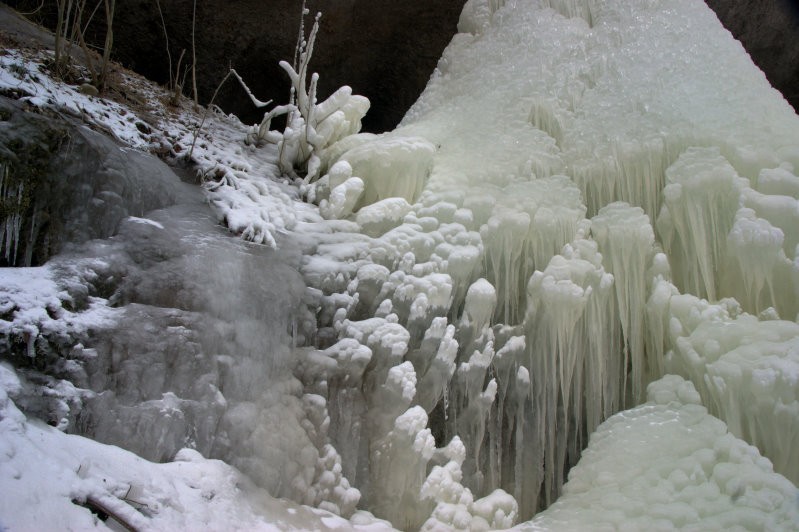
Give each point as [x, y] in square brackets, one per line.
[769, 30]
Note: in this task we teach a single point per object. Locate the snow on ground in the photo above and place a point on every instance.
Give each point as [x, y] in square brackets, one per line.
[51, 309]
[23, 74]
[245, 198]
[49, 477]
[38, 303]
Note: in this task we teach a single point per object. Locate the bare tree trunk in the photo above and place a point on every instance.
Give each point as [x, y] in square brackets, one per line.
[172, 81]
[194, 54]
[59, 28]
[109, 42]
[89, 62]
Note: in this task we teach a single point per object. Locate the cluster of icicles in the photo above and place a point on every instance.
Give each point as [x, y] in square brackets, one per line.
[504, 325]
[493, 285]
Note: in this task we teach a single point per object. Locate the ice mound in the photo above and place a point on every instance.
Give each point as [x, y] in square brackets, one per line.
[666, 465]
[746, 370]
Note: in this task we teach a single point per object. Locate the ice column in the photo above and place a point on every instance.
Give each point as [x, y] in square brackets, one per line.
[701, 198]
[626, 239]
[567, 303]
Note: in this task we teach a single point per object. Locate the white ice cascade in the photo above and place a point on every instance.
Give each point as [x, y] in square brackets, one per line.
[588, 195]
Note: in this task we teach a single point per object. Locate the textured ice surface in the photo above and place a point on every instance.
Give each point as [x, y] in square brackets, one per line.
[746, 370]
[48, 476]
[669, 465]
[627, 144]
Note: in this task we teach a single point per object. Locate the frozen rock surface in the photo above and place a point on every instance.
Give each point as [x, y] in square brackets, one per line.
[63, 183]
[189, 493]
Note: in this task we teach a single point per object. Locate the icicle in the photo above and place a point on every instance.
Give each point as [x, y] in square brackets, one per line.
[700, 201]
[433, 385]
[12, 225]
[446, 401]
[627, 240]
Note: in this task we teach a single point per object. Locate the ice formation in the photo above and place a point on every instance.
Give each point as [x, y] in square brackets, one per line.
[589, 196]
[636, 155]
[667, 464]
[49, 476]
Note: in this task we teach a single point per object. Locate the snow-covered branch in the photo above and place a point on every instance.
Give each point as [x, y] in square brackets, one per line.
[311, 127]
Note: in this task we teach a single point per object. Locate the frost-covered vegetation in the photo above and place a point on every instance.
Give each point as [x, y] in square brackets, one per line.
[311, 127]
[576, 258]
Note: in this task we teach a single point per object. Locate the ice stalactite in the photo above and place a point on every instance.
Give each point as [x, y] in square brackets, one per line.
[529, 250]
[470, 406]
[625, 235]
[479, 305]
[399, 451]
[779, 210]
[568, 303]
[755, 254]
[503, 232]
[339, 370]
[528, 323]
[588, 196]
[529, 224]
[391, 167]
[628, 171]
[436, 374]
[574, 8]
[11, 199]
[700, 201]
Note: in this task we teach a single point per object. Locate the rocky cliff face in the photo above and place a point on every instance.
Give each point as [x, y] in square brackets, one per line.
[769, 30]
[385, 50]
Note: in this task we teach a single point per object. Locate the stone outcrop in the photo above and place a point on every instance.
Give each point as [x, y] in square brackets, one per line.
[64, 183]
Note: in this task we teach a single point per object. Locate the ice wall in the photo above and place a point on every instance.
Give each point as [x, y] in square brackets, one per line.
[593, 161]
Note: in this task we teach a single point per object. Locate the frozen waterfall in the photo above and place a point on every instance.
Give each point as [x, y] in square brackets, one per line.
[612, 198]
[568, 281]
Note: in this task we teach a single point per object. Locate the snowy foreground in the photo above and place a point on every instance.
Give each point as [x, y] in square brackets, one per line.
[576, 258]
